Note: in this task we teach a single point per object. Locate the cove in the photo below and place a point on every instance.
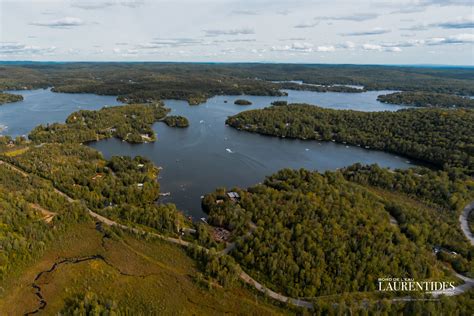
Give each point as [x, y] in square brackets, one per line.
[208, 154]
[42, 106]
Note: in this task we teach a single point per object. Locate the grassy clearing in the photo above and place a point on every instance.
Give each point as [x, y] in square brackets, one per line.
[148, 277]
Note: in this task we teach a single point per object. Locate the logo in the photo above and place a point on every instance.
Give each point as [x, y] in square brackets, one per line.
[410, 285]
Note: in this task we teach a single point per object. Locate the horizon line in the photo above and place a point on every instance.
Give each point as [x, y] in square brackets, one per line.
[238, 62]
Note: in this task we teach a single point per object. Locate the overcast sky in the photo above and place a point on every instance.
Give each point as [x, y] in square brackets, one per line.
[362, 32]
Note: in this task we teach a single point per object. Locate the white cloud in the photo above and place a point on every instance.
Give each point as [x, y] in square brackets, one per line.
[393, 49]
[375, 31]
[232, 32]
[462, 23]
[348, 45]
[464, 38]
[170, 42]
[329, 48]
[295, 47]
[306, 25]
[244, 12]
[372, 47]
[96, 5]
[64, 23]
[381, 48]
[357, 17]
[15, 48]
[162, 30]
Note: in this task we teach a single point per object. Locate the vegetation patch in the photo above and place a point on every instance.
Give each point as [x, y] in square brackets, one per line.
[131, 123]
[442, 137]
[149, 82]
[131, 275]
[9, 98]
[242, 102]
[427, 99]
[121, 188]
[176, 121]
[314, 233]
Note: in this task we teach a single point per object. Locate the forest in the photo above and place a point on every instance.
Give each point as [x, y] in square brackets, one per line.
[131, 123]
[9, 98]
[441, 137]
[427, 99]
[321, 234]
[195, 83]
[176, 121]
[121, 188]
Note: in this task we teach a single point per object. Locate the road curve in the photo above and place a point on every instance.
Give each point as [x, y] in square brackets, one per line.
[464, 223]
[467, 285]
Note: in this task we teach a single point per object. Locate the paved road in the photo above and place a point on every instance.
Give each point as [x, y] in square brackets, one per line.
[232, 245]
[464, 224]
[277, 296]
[467, 285]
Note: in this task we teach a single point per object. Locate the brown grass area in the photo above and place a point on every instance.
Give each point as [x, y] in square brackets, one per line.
[149, 277]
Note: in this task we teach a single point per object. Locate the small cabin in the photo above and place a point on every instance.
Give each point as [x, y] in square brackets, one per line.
[234, 196]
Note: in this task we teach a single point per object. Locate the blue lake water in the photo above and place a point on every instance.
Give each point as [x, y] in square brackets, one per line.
[208, 154]
[43, 106]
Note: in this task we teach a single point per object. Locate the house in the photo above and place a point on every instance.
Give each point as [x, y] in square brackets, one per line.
[97, 176]
[234, 196]
[220, 234]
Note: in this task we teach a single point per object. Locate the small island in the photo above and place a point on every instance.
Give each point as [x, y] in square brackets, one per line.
[176, 121]
[242, 102]
[279, 103]
[9, 98]
[427, 99]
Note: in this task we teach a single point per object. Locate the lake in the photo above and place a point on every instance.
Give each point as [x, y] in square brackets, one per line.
[208, 154]
[43, 106]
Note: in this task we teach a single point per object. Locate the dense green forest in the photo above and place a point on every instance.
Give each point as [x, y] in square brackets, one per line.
[436, 136]
[131, 123]
[176, 121]
[148, 82]
[445, 194]
[122, 188]
[427, 99]
[320, 234]
[9, 98]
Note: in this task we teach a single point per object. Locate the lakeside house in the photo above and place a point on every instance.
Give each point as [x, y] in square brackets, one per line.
[234, 196]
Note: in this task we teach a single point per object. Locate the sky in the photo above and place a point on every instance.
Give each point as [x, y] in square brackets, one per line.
[293, 31]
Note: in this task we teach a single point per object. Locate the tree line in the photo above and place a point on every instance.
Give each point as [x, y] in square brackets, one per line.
[427, 99]
[442, 137]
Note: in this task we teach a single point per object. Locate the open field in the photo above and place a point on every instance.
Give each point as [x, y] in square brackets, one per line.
[148, 277]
